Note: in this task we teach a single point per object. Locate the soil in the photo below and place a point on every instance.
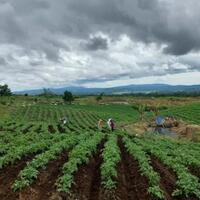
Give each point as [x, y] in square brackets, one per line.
[168, 180]
[131, 184]
[44, 188]
[195, 171]
[7, 177]
[139, 128]
[87, 180]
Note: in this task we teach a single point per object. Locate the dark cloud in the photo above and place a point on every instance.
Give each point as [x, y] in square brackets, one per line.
[96, 43]
[174, 23]
[2, 61]
[28, 7]
[99, 79]
[31, 23]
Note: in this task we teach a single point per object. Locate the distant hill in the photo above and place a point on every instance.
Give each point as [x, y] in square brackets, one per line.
[145, 88]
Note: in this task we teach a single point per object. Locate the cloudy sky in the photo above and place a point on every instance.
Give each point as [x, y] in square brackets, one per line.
[98, 43]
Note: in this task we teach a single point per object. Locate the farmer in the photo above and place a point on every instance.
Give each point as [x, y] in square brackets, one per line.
[100, 124]
[63, 120]
[111, 124]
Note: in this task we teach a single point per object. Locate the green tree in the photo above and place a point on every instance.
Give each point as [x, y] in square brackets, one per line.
[99, 97]
[5, 90]
[68, 97]
[141, 110]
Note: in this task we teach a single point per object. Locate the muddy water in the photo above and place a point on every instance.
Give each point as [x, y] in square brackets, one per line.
[165, 131]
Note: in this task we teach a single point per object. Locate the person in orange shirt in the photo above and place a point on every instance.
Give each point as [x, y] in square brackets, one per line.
[100, 124]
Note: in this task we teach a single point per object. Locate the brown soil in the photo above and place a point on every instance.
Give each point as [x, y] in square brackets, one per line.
[168, 180]
[140, 128]
[44, 188]
[131, 184]
[7, 177]
[195, 171]
[87, 180]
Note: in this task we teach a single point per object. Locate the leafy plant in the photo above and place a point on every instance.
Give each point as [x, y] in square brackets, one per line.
[187, 184]
[30, 172]
[78, 156]
[111, 157]
[146, 169]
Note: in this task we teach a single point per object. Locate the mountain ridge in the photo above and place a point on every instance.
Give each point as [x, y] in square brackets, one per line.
[132, 88]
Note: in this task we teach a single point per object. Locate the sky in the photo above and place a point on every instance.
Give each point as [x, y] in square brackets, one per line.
[99, 43]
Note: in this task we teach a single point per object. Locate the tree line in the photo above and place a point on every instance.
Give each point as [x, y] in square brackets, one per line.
[5, 90]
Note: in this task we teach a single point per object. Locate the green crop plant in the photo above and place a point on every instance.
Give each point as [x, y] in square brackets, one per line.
[19, 151]
[78, 156]
[187, 184]
[30, 172]
[146, 169]
[190, 112]
[111, 157]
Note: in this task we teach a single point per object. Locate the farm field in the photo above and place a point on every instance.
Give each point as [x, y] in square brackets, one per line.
[190, 112]
[41, 159]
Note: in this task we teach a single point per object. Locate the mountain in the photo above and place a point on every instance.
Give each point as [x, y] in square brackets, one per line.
[144, 88]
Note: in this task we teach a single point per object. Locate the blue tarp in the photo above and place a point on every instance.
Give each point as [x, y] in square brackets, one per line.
[160, 120]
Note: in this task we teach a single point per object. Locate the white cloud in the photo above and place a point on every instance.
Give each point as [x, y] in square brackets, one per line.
[125, 61]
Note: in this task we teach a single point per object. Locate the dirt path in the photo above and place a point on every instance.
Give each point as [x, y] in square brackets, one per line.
[131, 184]
[168, 180]
[7, 177]
[44, 188]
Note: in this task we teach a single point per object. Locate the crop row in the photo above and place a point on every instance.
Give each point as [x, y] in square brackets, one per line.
[51, 114]
[145, 167]
[111, 157]
[190, 113]
[17, 152]
[186, 153]
[187, 184]
[78, 156]
[31, 171]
